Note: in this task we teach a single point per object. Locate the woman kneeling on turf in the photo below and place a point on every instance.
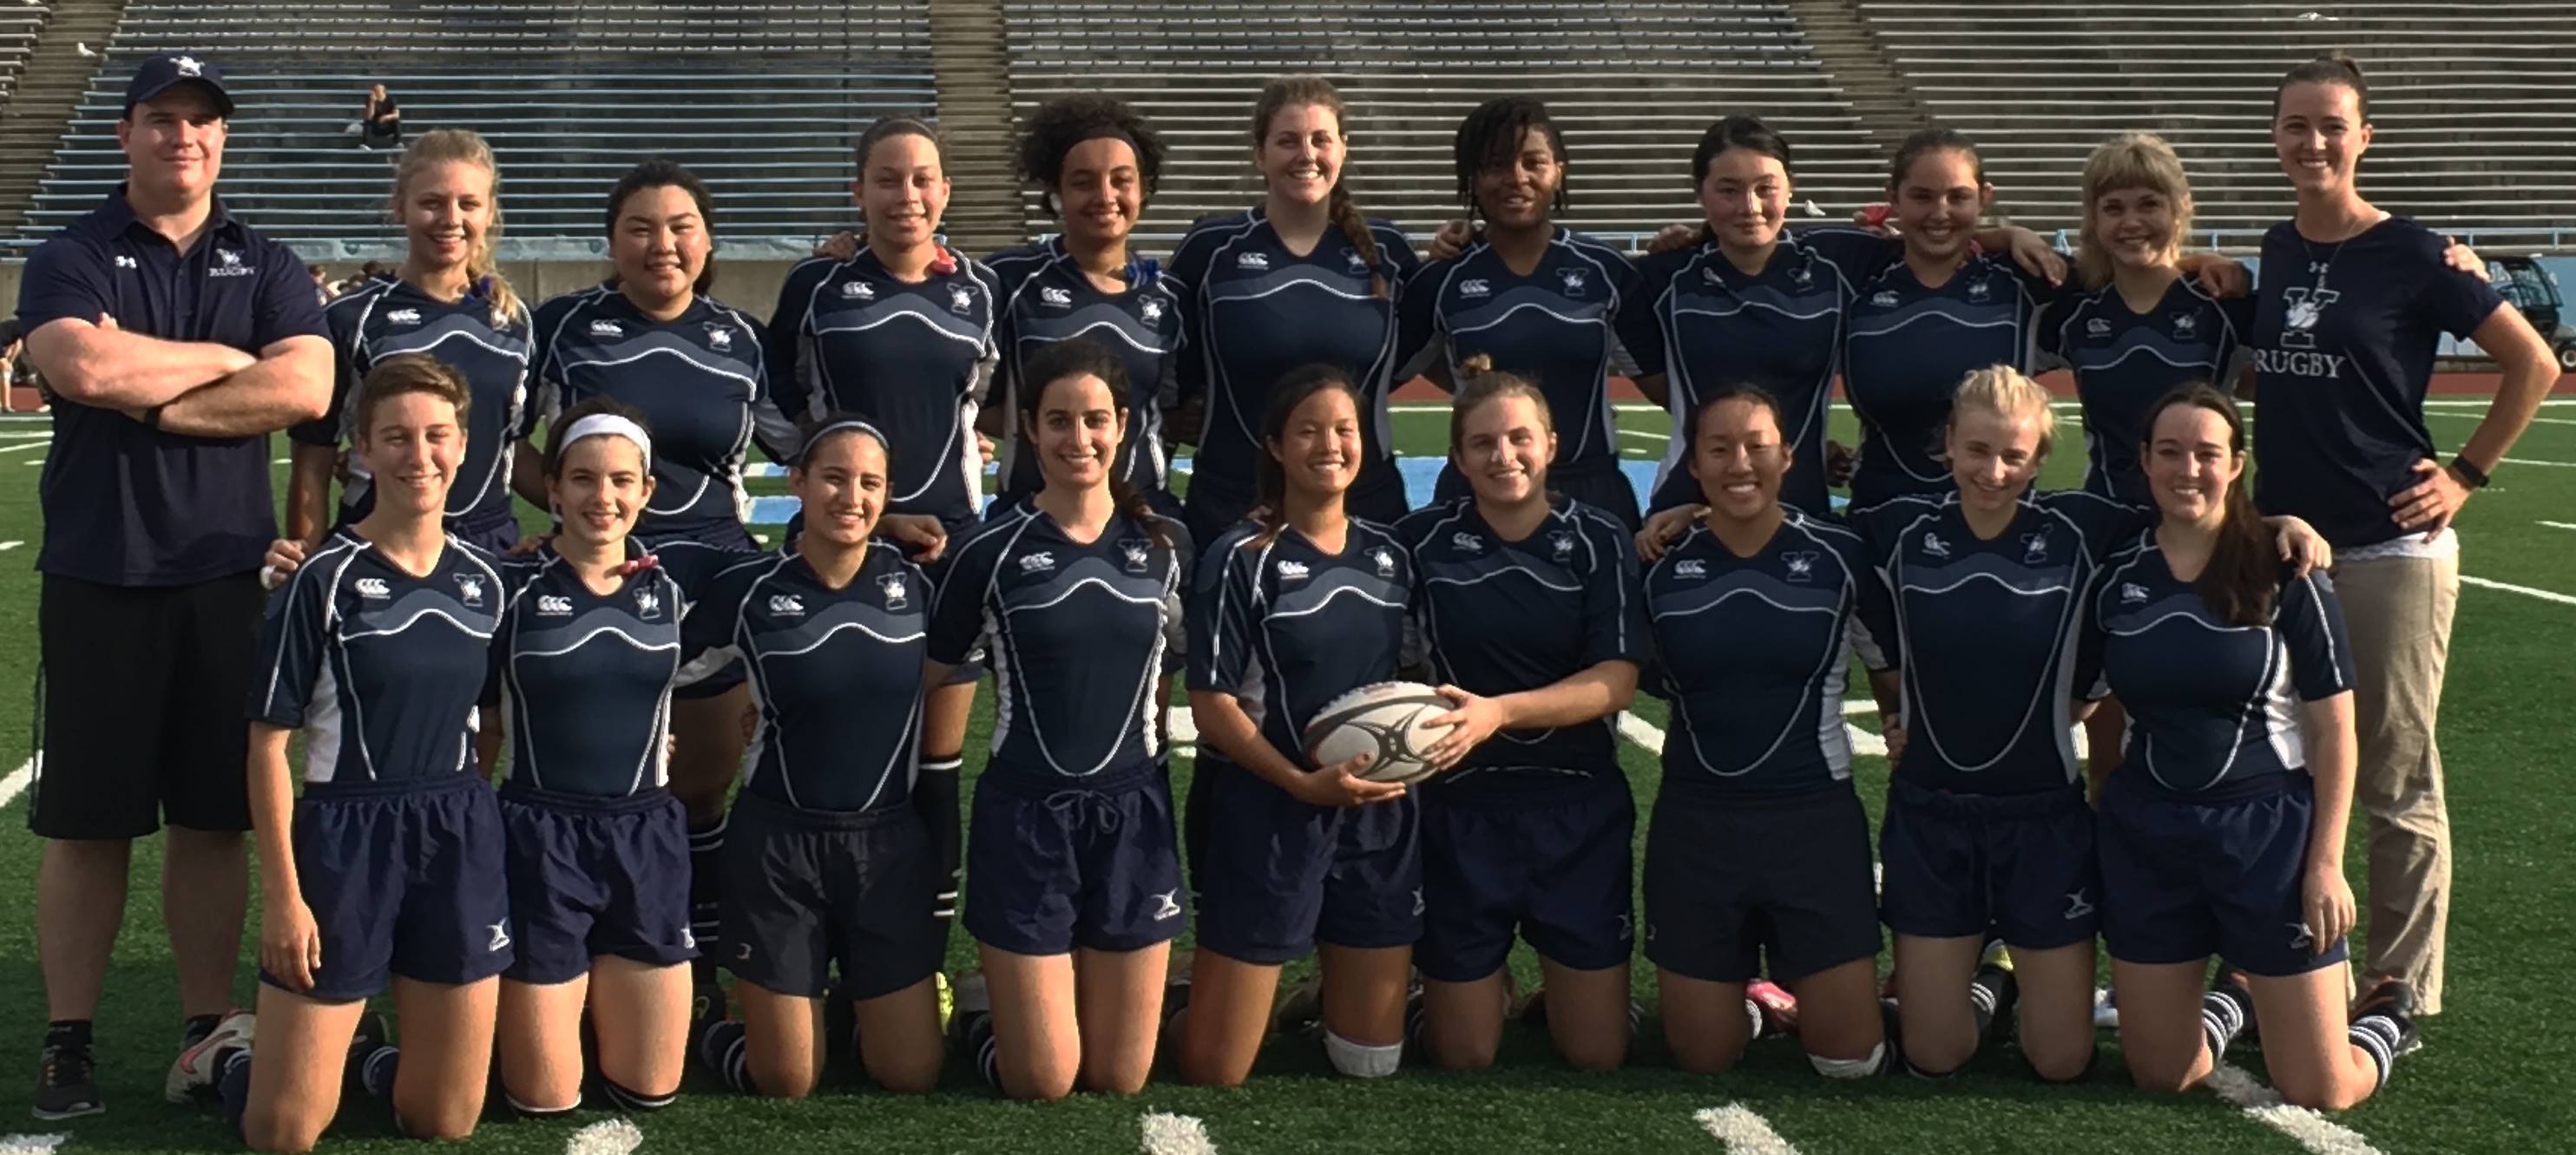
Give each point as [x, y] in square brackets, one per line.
[1073, 868]
[1530, 617]
[826, 862]
[1294, 607]
[391, 863]
[1758, 845]
[2223, 827]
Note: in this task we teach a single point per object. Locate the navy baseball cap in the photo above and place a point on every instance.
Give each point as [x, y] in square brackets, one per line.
[160, 72]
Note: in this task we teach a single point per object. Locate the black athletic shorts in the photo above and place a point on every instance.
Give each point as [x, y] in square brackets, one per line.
[141, 719]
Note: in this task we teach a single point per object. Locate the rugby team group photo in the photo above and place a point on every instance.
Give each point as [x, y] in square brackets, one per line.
[535, 778]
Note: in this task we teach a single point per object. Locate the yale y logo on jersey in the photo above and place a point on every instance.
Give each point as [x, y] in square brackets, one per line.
[1385, 559]
[1137, 553]
[1802, 565]
[469, 589]
[891, 585]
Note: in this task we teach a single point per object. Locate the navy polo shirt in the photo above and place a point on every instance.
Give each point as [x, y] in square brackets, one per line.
[127, 505]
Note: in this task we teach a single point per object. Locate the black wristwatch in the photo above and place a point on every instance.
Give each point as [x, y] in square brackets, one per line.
[2474, 476]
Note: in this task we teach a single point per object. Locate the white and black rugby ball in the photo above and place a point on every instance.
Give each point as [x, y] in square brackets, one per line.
[1386, 720]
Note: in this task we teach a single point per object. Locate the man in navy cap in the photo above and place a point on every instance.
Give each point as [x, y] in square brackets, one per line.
[175, 339]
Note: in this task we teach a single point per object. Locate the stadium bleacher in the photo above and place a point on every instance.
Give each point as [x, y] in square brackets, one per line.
[2470, 100]
[1632, 84]
[19, 24]
[761, 99]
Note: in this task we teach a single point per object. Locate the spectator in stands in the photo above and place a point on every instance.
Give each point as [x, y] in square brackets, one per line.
[157, 504]
[2350, 315]
[321, 282]
[381, 125]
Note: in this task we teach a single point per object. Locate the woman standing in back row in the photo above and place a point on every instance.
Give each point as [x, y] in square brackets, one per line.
[1300, 279]
[2352, 308]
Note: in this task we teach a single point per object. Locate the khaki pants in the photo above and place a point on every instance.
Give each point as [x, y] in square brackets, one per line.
[2398, 612]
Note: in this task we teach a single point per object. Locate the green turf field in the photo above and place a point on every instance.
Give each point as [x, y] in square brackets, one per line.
[2492, 1077]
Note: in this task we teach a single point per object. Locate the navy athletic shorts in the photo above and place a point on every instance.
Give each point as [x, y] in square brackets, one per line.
[1283, 875]
[404, 878]
[592, 876]
[808, 890]
[1732, 878]
[1597, 484]
[1092, 863]
[2186, 877]
[1959, 864]
[1553, 865]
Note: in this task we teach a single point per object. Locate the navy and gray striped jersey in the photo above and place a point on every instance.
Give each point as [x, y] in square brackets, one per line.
[586, 677]
[1254, 312]
[835, 674]
[1750, 651]
[380, 668]
[914, 359]
[1287, 627]
[1711, 325]
[1990, 632]
[2214, 708]
[1557, 328]
[1499, 616]
[2126, 361]
[1077, 632]
[385, 319]
[1047, 298]
[1905, 350]
[700, 381]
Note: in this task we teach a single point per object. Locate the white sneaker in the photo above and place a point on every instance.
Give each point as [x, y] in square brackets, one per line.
[194, 1073]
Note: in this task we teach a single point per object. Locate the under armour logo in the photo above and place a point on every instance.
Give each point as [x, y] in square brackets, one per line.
[2076, 904]
[1167, 905]
[500, 938]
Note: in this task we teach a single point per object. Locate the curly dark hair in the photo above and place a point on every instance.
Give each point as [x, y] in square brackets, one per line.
[1490, 136]
[1065, 121]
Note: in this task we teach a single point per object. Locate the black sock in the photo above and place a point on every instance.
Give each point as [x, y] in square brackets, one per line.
[2223, 1015]
[980, 1048]
[934, 797]
[636, 1102]
[725, 1047]
[72, 1033]
[232, 1085]
[2377, 1036]
[1194, 821]
[706, 891]
[196, 1028]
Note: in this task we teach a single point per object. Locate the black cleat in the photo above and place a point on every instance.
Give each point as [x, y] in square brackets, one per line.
[67, 1084]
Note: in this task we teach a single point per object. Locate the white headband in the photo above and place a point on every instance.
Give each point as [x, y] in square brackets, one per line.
[841, 427]
[608, 425]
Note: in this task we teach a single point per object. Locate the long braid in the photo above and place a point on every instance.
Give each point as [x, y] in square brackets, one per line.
[1356, 228]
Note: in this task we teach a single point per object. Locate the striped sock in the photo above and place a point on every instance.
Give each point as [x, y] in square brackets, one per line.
[1752, 1015]
[935, 796]
[978, 1033]
[1988, 993]
[2377, 1036]
[725, 1048]
[706, 889]
[2223, 1014]
[635, 1102]
[376, 1072]
[232, 1084]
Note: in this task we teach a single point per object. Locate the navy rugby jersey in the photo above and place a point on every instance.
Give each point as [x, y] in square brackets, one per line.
[1750, 651]
[1556, 328]
[1500, 616]
[386, 319]
[1712, 325]
[1905, 350]
[1990, 632]
[835, 674]
[700, 381]
[1077, 634]
[379, 668]
[2214, 709]
[1290, 627]
[2126, 361]
[586, 677]
[914, 359]
[1256, 311]
[1047, 298]
[2344, 341]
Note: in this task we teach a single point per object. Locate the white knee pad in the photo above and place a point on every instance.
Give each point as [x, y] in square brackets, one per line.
[1851, 1068]
[1362, 1062]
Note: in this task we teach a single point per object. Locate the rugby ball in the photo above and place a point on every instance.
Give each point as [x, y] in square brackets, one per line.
[1385, 719]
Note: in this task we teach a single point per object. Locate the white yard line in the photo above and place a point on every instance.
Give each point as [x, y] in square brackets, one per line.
[6, 546]
[2506, 460]
[46, 443]
[606, 1137]
[2308, 1129]
[2480, 415]
[1168, 1134]
[1742, 1131]
[2526, 591]
[16, 784]
[1641, 732]
[32, 1144]
[1650, 436]
[2560, 524]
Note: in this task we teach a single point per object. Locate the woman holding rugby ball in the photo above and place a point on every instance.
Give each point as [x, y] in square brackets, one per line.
[1529, 611]
[1293, 607]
